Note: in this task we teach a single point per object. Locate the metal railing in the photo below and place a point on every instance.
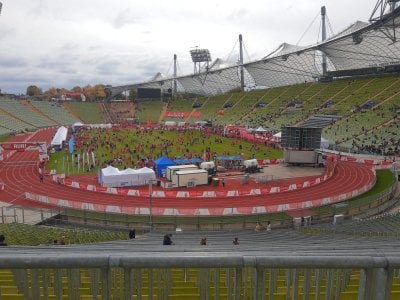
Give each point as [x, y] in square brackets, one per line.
[217, 276]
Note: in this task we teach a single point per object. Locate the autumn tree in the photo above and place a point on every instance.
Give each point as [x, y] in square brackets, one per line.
[100, 94]
[33, 90]
[77, 89]
[94, 93]
[89, 92]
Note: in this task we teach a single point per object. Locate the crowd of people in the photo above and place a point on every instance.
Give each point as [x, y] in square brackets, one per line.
[140, 148]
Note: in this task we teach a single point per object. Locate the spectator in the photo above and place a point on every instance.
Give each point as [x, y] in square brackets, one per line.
[235, 241]
[203, 241]
[168, 239]
[62, 240]
[132, 234]
[2, 240]
[259, 227]
[269, 227]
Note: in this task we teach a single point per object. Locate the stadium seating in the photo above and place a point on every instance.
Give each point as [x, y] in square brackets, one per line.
[89, 113]
[22, 234]
[147, 109]
[5, 131]
[269, 279]
[209, 109]
[22, 111]
[12, 124]
[55, 111]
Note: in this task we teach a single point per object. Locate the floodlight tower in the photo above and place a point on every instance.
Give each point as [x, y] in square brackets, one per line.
[323, 15]
[200, 56]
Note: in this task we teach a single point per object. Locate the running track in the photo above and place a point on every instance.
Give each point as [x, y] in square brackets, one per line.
[20, 174]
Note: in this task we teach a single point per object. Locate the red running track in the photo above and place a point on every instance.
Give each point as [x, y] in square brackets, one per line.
[20, 175]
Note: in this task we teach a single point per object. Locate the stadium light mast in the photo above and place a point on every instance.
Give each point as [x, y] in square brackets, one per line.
[323, 17]
[241, 62]
[200, 56]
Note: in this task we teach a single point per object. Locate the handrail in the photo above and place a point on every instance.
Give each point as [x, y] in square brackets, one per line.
[95, 259]
[155, 272]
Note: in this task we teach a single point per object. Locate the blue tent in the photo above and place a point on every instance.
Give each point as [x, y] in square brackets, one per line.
[162, 163]
[195, 160]
[181, 161]
[232, 157]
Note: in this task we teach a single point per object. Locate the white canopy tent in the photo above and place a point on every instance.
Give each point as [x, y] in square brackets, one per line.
[261, 130]
[277, 136]
[324, 143]
[113, 177]
[59, 138]
[145, 175]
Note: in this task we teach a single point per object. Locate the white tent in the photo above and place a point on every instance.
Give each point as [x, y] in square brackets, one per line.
[127, 171]
[145, 175]
[59, 137]
[277, 136]
[261, 129]
[112, 177]
[324, 143]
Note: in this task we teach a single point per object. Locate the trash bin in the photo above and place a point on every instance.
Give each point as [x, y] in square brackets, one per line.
[215, 181]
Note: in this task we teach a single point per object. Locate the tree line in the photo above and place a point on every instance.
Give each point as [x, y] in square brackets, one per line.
[92, 93]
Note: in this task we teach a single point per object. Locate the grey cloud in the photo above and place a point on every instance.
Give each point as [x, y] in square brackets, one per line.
[108, 66]
[123, 18]
[57, 63]
[239, 14]
[12, 62]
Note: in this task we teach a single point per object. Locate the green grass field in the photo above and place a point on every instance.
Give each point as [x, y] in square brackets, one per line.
[126, 148]
[4, 138]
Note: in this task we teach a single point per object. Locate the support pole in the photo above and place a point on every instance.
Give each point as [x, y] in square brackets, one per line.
[175, 74]
[241, 62]
[323, 15]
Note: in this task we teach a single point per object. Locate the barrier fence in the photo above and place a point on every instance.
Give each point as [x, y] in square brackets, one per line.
[192, 276]
[373, 204]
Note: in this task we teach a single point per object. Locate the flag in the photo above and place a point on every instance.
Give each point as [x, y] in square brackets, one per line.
[94, 159]
[99, 178]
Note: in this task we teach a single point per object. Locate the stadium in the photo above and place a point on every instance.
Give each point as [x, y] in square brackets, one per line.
[330, 231]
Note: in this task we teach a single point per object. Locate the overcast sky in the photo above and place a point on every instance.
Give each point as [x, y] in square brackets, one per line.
[59, 43]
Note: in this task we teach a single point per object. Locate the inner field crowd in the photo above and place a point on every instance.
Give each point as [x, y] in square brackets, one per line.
[138, 147]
